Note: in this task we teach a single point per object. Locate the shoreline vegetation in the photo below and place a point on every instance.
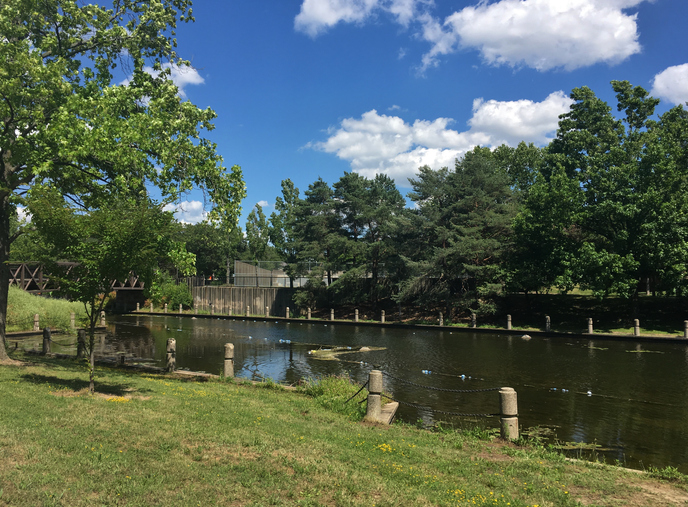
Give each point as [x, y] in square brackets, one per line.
[147, 439]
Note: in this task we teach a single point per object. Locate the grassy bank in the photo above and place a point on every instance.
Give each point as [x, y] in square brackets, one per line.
[152, 440]
[53, 313]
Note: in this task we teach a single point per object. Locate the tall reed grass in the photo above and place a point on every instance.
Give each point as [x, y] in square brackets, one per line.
[52, 312]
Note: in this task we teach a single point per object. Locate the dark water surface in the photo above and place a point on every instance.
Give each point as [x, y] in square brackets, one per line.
[637, 409]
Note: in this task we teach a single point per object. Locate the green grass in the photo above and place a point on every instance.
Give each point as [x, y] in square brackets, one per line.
[53, 313]
[154, 440]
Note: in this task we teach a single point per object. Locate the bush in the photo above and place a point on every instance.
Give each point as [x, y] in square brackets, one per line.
[165, 290]
[52, 312]
[333, 392]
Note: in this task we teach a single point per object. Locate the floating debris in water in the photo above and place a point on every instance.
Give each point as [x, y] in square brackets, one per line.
[526, 337]
[589, 393]
[426, 372]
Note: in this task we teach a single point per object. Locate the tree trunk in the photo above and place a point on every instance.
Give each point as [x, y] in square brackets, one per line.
[5, 211]
[92, 359]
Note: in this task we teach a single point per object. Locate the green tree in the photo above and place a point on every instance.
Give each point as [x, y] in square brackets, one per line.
[607, 211]
[107, 243]
[214, 246]
[67, 122]
[464, 218]
[282, 228]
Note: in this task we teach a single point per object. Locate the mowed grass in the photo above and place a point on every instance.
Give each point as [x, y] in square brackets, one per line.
[154, 440]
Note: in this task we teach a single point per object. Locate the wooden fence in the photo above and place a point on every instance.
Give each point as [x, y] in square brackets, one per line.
[236, 300]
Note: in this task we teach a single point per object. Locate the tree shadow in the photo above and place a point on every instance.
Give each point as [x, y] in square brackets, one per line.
[76, 385]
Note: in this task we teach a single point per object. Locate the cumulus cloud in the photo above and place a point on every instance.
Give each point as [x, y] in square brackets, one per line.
[316, 16]
[378, 143]
[262, 204]
[541, 34]
[23, 214]
[188, 212]
[672, 84]
[181, 76]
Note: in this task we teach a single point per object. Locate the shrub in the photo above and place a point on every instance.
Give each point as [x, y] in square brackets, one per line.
[332, 392]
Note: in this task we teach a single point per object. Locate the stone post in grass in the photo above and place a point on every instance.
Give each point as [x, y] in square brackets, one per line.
[212, 309]
[356, 315]
[248, 311]
[636, 327]
[685, 329]
[46, 340]
[508, 408]
[473, 320]
[374, 412]
[180, 308]
[151, 307]
[548, 323]
[267, 311]
[171, 359]
[331, 313]
[441, 319]
[382, 316]
[36, 323]
[102, 319]
[590, 330]
[138, 306]
[508, 321]
[72, 320]
[286, 314]
[309, 314]
[228, 371]
[165, 308]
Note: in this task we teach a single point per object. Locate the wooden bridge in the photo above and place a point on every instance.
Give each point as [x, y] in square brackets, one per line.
[31, 277]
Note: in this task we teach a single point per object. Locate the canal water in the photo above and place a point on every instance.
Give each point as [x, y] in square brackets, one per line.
[629, 399]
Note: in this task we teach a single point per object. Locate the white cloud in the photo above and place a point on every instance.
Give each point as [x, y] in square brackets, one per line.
[378, 143]
[188, 212]
[181, 76]
[672, 84]
[316, 16]
[542, 34]
[23, 214]
[262, 204]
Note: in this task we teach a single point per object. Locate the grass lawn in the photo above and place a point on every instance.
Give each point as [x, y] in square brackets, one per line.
[154, 440]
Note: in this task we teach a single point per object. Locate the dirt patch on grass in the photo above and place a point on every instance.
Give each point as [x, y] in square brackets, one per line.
[83, 393]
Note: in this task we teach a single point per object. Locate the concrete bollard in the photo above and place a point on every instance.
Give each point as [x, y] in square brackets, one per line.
[267, 311]
[195, 310]
[356, 315]
[590, 330]
[309, 314]
[473, 320]
[46, 340]
[151, 307]
[72, 320]
[636, 327]
[286, 314]
[171, 354]
[138, 306]
[102, 319]
[508, 321]
[248, 311]
[374, 412]
[212, 310]
[685, 329]
[80, 344]
[548, 323]
[441, 321]
[508, 407]
[165, 308]
[382, 316]
[180, 308]
[228, 371]
[36, 323]
[331, 313]
[229, 310]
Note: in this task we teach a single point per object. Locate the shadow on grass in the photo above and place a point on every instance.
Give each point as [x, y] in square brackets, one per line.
[76, 385]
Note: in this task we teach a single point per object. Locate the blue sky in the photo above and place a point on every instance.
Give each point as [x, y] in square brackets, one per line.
[312, 88]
